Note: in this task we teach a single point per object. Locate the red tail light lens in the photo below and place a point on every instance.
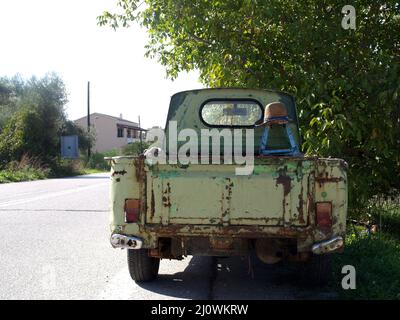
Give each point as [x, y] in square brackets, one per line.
[324, 214]
[132, 210]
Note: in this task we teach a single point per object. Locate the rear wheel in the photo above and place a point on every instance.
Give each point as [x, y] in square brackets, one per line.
[319, 269]
[142, 268]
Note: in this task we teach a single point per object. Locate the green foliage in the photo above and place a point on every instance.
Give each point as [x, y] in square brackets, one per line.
[66, 168]
[386, 215]
[32, 119]
[23, 134]
[10, 89]
[377, 263]
[347, 82]
[26, 174]
[97, 161]
[134, 148]
[27, 168]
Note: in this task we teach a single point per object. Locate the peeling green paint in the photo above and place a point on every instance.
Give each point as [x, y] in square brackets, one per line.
[277, 200]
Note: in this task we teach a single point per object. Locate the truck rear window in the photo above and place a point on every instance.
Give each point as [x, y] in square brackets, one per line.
[231, 113]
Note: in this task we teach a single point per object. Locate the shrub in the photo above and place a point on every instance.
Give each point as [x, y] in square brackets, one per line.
[134, 148]
[22, 134]
[32, 118]
[28, 168]
[97, 161]
[377, 263]
[387, 216]
[67, 168]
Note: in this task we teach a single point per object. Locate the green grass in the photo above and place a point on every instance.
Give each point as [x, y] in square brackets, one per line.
[376, 259]
[29, 174]
[387, 217]
[26, 171]
[29, 169]
[26, 174]
[90, 171]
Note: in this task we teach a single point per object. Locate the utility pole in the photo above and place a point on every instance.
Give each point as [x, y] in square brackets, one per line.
[140, 136]
[88, 115]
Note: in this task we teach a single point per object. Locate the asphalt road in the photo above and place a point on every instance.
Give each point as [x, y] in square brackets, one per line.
[54, 244]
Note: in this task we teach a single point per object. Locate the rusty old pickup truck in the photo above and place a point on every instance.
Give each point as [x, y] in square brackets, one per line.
[287, 206]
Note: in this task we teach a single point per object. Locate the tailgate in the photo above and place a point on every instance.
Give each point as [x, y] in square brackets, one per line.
[276, 194]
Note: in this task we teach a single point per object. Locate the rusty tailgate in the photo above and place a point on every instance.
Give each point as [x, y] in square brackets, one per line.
[276, 194]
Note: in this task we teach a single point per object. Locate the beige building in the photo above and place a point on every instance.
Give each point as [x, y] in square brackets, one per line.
[110, 132]
[149, 134]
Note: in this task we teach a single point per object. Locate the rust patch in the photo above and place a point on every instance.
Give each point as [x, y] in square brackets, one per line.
[322, 180]
[226, 211]
[122, 172]
[139, 166]
[152, 203]
[285, 181]
[251, 232]
[300, 207]
[310, 197]
[166, 196]
[140, 175]
[221, 243]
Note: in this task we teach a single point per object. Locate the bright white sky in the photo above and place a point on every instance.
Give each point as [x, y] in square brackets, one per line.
[39, 36]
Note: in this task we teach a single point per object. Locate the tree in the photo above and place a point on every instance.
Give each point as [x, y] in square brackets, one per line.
[32, 118]
[10, 90]
[347, 82]
[22, 135]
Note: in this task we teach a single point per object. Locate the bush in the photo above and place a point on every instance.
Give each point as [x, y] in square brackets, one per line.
[23, 134]
[376, 259]
[67, 168]
[27, 169]
[387, 216]
[32, 119]
[97, 161]
[135, 148]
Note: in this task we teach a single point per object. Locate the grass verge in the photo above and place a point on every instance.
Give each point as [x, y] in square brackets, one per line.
[30, 169]
[90, 171]
[26, 174]
[376, 259]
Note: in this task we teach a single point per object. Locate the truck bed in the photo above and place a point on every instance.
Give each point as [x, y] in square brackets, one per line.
[277, 198]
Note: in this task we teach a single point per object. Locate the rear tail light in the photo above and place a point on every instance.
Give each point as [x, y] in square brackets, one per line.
[324, 214]
[132, 210]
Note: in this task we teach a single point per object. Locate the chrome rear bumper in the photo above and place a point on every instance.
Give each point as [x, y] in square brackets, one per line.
[328, 245]
[122, 241]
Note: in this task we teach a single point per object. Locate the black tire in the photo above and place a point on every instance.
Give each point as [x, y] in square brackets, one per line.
[319, 270]
[142, 268]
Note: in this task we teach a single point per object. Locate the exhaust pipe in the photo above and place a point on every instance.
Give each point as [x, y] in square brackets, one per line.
[122, 241]
[327, 246]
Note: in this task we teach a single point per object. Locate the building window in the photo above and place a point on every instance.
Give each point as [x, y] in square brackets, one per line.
[128, 133]
[120, 132]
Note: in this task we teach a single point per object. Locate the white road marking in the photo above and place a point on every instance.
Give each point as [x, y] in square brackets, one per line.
[51, 195]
